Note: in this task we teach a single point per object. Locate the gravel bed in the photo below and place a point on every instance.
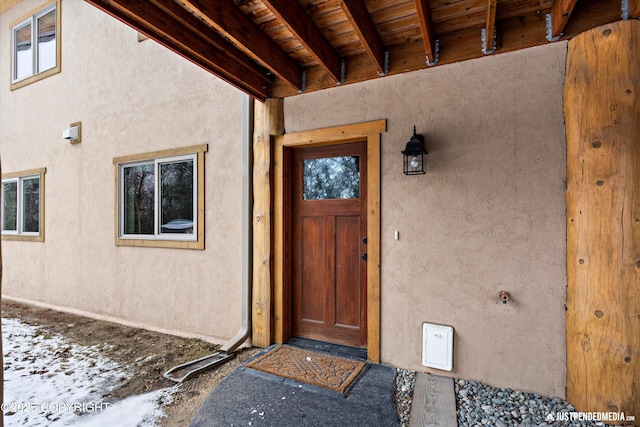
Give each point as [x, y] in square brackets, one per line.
[482, 405]
[405, 383]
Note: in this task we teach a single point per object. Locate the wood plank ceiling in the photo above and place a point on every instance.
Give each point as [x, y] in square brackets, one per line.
[279, 48]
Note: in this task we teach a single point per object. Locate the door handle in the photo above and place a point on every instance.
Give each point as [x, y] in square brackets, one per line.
[364, 256]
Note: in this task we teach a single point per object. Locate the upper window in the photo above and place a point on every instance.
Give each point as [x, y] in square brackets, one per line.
[23, 205]
[161, 198]
[35, 45]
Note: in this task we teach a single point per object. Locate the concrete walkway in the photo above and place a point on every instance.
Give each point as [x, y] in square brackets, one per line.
[251, 398]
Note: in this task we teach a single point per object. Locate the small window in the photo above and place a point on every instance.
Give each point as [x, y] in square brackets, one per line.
[23, 205]
[161, 199]
[331, 178]
[36, 45]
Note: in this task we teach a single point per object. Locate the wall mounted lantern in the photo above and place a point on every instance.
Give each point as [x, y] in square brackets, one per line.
[414, 155]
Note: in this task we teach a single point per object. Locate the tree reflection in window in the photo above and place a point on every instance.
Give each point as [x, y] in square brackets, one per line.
[10, 208]
[139, 195]
[176, 192]
[31, 205]
[331, 178]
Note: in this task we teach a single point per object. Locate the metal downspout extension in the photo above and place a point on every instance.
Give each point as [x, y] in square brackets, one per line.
[247, 225]
[188, 370]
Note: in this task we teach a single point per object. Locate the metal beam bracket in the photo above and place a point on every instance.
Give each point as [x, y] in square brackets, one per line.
[550, 30]
[436, 54]
[386, 65]
[343, 72]
[304, 82]
[625, 9]
[485, 49]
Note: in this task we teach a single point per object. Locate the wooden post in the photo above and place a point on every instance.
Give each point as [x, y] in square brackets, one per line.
[602, 115]
[269, 121]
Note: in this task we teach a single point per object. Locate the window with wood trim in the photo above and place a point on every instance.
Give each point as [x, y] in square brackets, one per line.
[160, 198]
[23, 205]
[35, 45]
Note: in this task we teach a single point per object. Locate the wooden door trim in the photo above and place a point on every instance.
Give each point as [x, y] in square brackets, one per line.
[320, 219]
[369, 132]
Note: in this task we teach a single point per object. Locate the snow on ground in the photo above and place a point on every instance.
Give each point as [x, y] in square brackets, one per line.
[51, 382]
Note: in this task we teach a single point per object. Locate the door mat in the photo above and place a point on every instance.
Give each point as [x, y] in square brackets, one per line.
[317, 369]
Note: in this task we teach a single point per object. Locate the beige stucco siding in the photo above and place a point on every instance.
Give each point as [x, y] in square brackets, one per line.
[131, 98]
[489, 214]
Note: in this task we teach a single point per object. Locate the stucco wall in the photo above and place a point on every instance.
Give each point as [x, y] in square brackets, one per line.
[489, 214]
[132, 98]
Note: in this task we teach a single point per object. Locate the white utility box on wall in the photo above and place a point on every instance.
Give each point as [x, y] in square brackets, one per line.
[437, 346]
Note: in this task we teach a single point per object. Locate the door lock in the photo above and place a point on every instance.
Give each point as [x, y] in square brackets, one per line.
[364, 240]
[364, 256]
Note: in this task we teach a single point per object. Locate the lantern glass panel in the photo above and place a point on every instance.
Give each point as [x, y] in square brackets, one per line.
[414, 163]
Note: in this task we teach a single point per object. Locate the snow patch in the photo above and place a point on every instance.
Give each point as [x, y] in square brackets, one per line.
[51, 382]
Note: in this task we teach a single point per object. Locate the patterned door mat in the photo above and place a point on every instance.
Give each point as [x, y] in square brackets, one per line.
[317, 369]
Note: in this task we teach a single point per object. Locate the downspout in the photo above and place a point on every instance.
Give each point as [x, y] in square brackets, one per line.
[188, 370]
[247, 225]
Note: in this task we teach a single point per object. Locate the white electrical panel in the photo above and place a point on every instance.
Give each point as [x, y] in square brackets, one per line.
[437, 346]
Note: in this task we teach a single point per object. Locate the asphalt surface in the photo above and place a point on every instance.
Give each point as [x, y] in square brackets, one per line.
[251, 398]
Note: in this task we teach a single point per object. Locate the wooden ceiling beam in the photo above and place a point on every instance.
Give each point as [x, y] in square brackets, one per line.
[559, 16]
[518, 32]
[363, 25]
[431, 44]
[170, 34]
[224, 16]
[299, 23]
[205, 32]
[489, 35]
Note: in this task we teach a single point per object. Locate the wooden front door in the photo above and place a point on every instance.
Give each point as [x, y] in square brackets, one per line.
[328, 257]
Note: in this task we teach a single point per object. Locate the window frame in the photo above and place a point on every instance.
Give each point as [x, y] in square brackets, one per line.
[159, 239]
[19, 177]
[32, 19]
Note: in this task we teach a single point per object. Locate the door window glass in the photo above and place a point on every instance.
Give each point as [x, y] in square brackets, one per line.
[331, 178]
